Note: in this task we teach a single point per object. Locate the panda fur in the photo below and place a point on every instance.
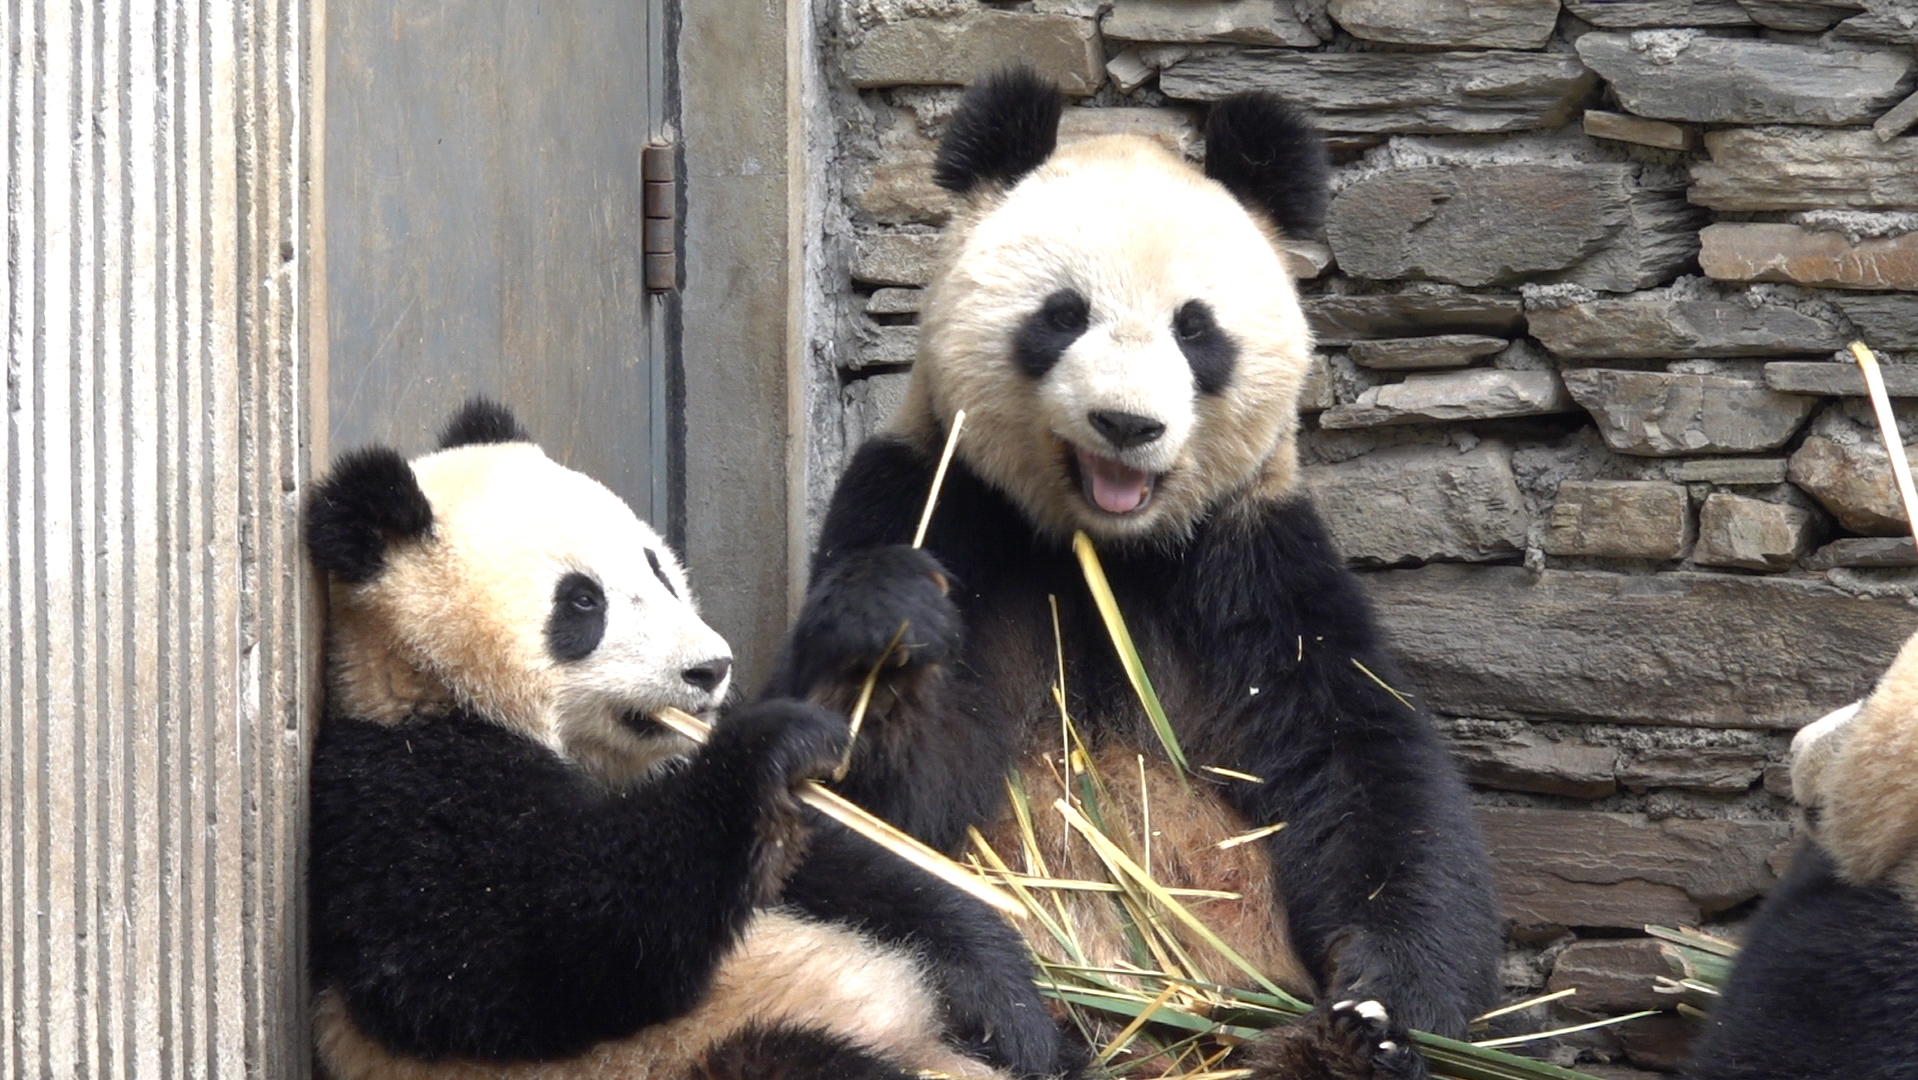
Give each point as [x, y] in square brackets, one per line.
[515, 873]
[1826, 983]
[1122, 333]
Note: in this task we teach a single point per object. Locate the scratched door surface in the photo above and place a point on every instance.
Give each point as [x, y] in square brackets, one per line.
[482, 226]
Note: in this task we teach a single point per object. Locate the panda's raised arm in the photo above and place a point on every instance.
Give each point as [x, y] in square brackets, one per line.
[1383, 893]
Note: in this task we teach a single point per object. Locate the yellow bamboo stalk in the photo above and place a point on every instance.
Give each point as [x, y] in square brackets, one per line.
[859, 820]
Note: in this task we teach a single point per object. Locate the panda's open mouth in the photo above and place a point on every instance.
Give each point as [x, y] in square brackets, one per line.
[1112, 486]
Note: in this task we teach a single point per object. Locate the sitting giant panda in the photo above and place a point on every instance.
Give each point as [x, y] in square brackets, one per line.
[516, 873]
[1123, 336]
[1826, 984]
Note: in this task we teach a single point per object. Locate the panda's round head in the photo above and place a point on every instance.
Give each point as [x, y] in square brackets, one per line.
[488, 577]
[1118, 324]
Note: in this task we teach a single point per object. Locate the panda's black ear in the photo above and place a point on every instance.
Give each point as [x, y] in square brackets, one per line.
[1005, 127]
[1268, 155]
[482, 420]
[370, 499]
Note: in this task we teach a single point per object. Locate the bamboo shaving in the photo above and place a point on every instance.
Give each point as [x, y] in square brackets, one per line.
[1248, 837]
[878, 830]
[1888, 428]
[1232, 774]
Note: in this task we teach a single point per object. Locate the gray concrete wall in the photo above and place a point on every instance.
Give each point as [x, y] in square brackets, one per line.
[155, 613]
[740, 324]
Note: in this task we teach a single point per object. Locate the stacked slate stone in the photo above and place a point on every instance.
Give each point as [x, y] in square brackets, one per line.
[1581, 409]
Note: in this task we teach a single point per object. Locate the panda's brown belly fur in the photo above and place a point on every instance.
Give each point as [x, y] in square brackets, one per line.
[1144, 807]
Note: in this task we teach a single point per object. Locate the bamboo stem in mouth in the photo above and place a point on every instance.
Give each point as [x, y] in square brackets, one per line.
[874, 828]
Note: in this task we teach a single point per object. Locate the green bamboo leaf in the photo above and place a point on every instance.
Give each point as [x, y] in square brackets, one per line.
[1128, 653]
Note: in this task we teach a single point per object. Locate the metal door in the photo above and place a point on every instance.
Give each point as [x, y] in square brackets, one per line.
[483, 208]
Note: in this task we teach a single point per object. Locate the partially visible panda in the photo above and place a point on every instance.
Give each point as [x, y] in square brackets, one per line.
[1122, 333]
[1826, 983]
[516, 873]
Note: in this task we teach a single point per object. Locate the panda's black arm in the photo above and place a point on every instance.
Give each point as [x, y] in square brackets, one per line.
[977, 962]
[473, 895]
[1385, 877]
[928, 759]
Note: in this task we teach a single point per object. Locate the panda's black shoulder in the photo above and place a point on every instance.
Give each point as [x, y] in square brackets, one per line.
[1825, 984]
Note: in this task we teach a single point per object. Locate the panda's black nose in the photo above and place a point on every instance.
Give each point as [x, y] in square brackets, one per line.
[707, 676]
[1125, 430]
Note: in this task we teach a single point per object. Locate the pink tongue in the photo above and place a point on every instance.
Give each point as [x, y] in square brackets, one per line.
[1116, 487]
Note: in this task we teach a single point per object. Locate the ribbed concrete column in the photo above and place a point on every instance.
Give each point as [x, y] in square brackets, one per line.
[155, 614]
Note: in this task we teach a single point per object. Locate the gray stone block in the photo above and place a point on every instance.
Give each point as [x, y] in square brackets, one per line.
[955, 52]
[1243, 22]
[1797, 16]
[1770, 251]
[1474, 394]
[1719, 770]
[1317, 393]
[1887, 22]
[1653, 327]
[1437, 351]
[1591, 225]
[1751, 472]
[1485, 24]
[893, 301]
[1837, 380]
[1797, 168]
[898, 190]
[1613, 14]
[1897, 120]
[1653, 414]
[1612, 976]
[1530, 761]
[1681, 648]
[885, 346]
[1624, 519]
[1421, 503]
[1175, 129]
[1681, 75]
[1886, 322]
[1581, 868]
[887, 258]
[870, 404]
[1864, 551]
[1338, 320]
[1752, 534]
[1429, 93]
[1622, 127]
[1851, 477]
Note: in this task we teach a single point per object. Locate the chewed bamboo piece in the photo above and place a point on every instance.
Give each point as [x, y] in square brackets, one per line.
[1888, 428]
[859, 820]
[858, 717]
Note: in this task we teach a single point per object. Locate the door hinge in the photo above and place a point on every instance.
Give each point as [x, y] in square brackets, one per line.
[659, 246]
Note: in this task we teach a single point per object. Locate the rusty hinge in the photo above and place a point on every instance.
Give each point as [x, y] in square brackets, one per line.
[659, 244]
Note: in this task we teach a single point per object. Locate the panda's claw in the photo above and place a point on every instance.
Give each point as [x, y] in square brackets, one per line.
[854, 614]
[1353, 1039]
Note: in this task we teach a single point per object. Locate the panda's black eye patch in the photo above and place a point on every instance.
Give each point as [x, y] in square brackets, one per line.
[1047, 333]
[652, 560]
[1207, 347]
[578, 619]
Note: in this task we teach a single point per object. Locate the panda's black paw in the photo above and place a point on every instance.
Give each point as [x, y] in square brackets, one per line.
[773, 745]
[1349, 1040]
[854, 613]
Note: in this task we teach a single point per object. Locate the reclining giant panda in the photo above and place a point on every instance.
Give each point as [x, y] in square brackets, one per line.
[515, 873]
[1826, 984]
[1122, 333]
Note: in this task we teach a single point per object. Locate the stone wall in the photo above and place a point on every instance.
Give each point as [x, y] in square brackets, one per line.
[1581, 414]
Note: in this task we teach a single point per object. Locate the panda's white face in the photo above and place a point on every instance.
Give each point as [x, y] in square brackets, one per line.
[1124, 337]
[542, 602]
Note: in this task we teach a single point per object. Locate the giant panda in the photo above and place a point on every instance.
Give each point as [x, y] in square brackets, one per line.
[1826, 983]
[515, 873]
[1121, 331]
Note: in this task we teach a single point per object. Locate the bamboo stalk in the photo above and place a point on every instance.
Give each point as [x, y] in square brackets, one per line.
[858, 717]
[859, 820]
[1888, 427]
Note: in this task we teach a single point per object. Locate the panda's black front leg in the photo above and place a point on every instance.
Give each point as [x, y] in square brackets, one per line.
[1386, 881]
[977, 963]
